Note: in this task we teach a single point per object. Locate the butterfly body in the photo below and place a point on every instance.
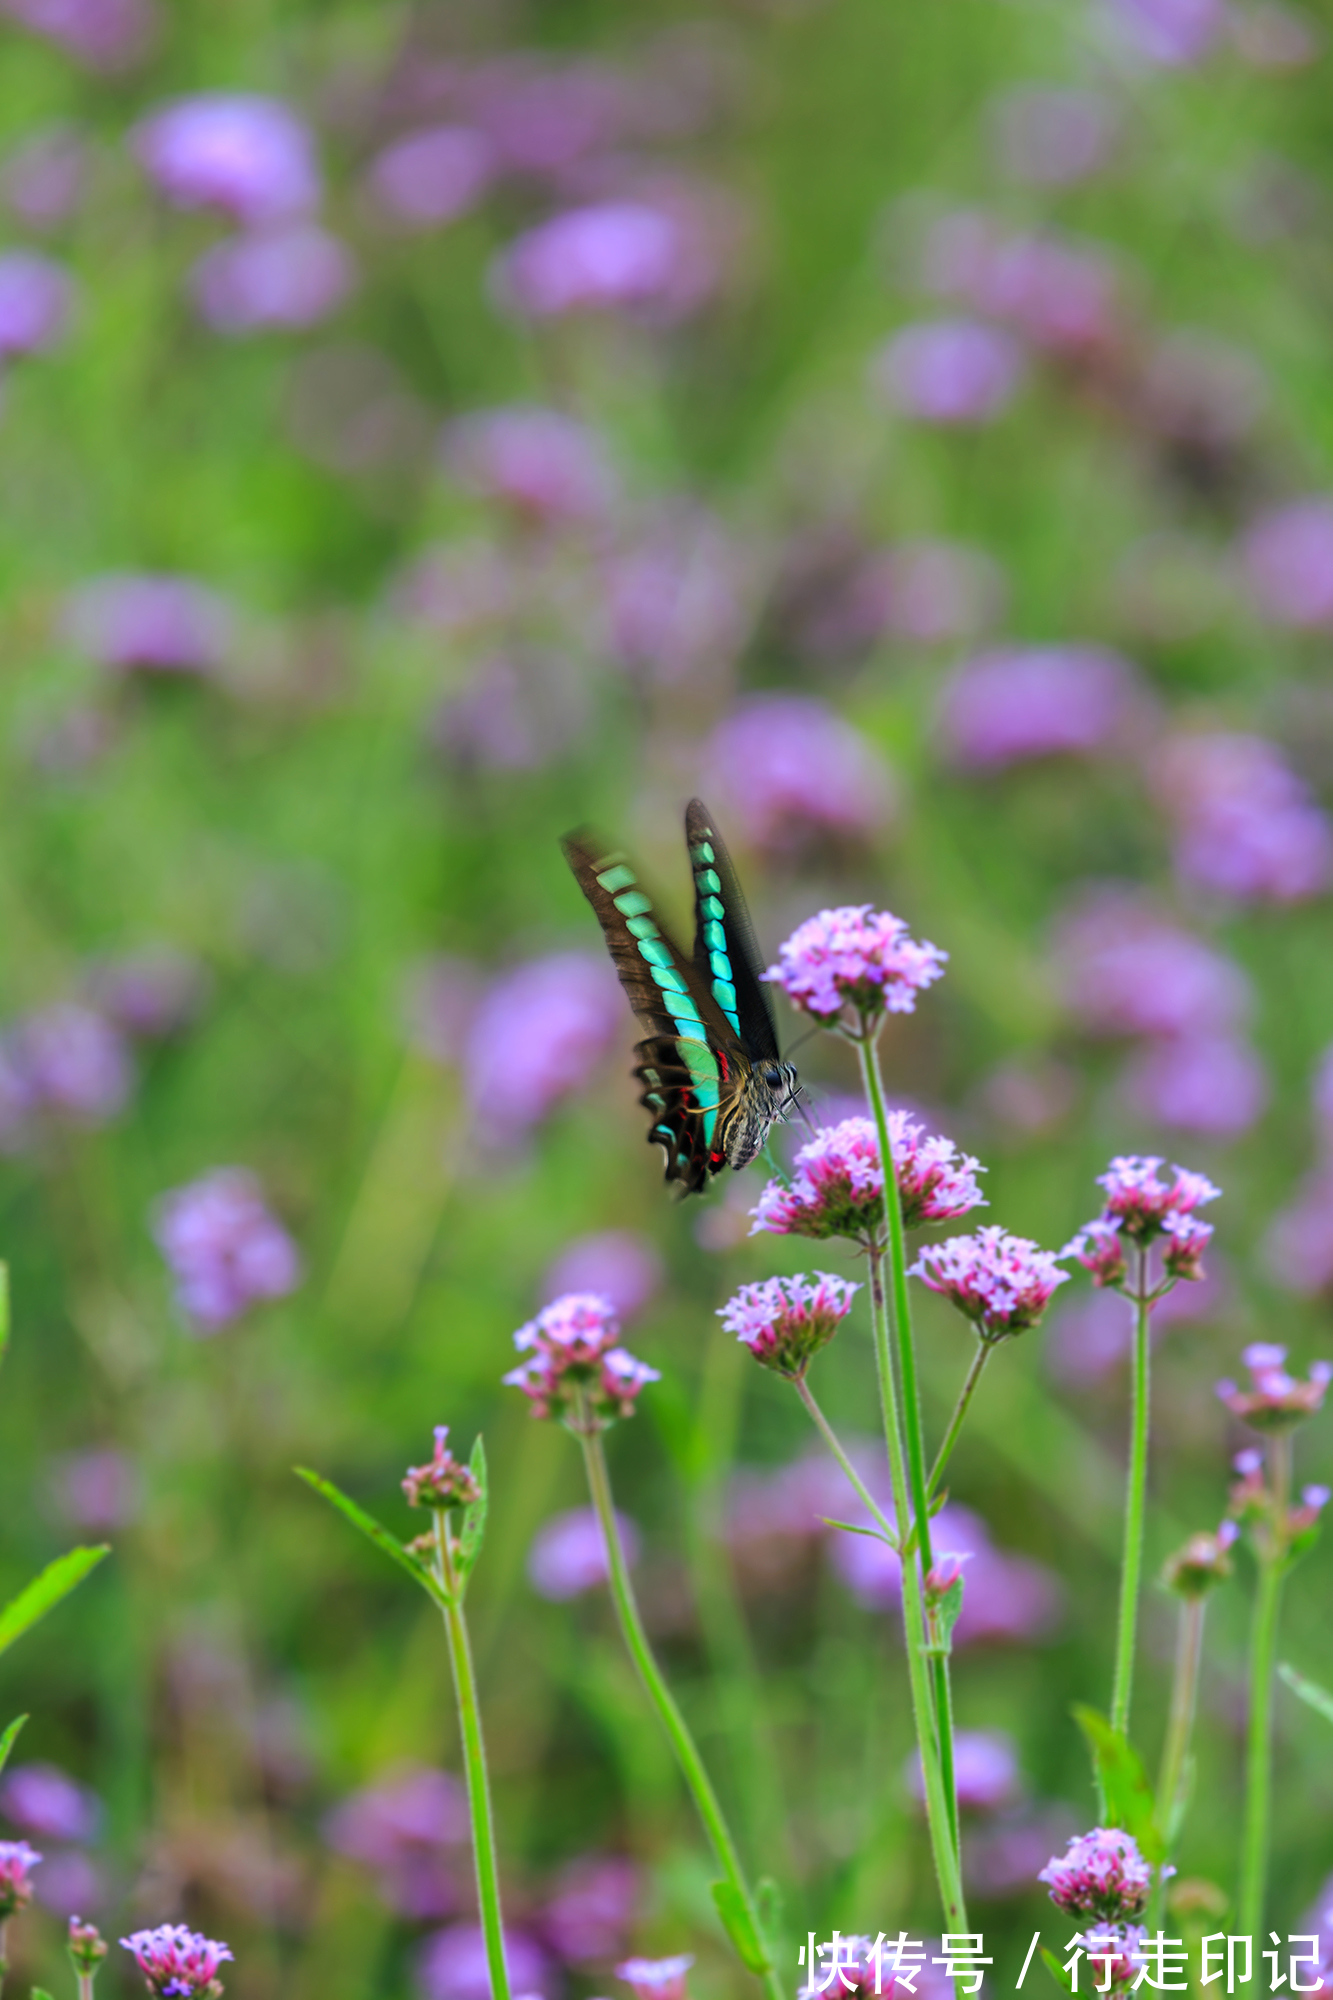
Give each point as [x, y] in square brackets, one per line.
[712, 1079]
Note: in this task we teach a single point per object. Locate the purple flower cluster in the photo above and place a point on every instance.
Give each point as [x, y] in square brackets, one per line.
[17, 1861]
[985, 1770]
[432, 175]
[452, 1965]
[857, 958]
[837, 1182]
[1016, 703]
[1002, 1283]
[568, 1553]
[406, 1829]
[536, 1038]
[65, 1063]
[1101, 1875]
[225, 1248]
[1275, 1400]
[953, 372]
[1059, 296]
[656, 1978]
[657, 260]
[617, 1264]
[547, 468]
[676, 598]
[577, 1369]
[443, 1482]
[103, 35]
[44, 1801]
[785, 1321]
[1141, 1208]
[1246, 826]
[152, 622]
[1116, 1951]
[36, 303]
[789, 767]
[1287, 557]
[178, 1964]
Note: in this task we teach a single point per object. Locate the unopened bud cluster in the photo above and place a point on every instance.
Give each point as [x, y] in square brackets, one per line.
[442, 1482]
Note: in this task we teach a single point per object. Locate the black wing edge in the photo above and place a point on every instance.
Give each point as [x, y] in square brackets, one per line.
[754, 1006]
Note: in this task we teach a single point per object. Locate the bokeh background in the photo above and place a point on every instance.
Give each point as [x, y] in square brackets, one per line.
[427, 427]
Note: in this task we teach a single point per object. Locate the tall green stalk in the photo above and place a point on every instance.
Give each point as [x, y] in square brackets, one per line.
[687, 1755]
[960, 1408]
[1272, 1555]
[1136, 1494]
[474, 1760]
[1172, 1778]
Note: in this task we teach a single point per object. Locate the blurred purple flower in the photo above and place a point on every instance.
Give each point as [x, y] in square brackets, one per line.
[1006, 1597]
[1173, 33]
[954, 371]
[1126, 969]
[1245, 823]
[100, 34]
[457, 588]
[432, 176]
[250, 156]
[1298, 1246]
[403, 1828]
[443, 993]
[632, 256]
[1014, 703]
[73, 1063]
[1273, 37]
[285, 278]
[656, 1978]
[676, 598]
[96, 1491]
[42, 1800]
[44, 179]
[1053, 138]
[451, 1965]
[788, 765]
[925, 592]
[225, 1249]
[1276, 1400]
[1092, 1335]
[619, 1264]
[521, 710]
[985, 1770]
[36, 300]
[1000, 1860]
[592, 1908]
[568, 1555]
[543, 120]
[1287, 558]
[1211, 1083]
[546, 466]
[166, 624]
[1060, 295]
[71, 1883]
[537, 1037]
[153, 993]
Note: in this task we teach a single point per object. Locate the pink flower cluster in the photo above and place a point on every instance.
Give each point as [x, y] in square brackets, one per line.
[1140, 1208]
[225, 1248]
[1002, 1283]
[1012, 704]
[837, 1183]
[855, 957]
[656, 1978]
[785, 1321]
[1202, 1562]
[577, 1370]
[789, 767]
[17, 1861]
[1275, 1400]
[178, 1964]
[1101, 1875]
[1246, 825]
[1116, 1951]
[443, 1482]
[1049, 290]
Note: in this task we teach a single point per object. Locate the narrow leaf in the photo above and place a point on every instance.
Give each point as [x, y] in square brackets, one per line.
[10, 1737]
[1310, 1692]
[388, 1544]
[1056, 1970]
[947, 1615]
[45, 1591]
[40, 1993]
[474, 1517]
[1124, 1783]
[769, 1909]
[739, 1926]
[850, 1528]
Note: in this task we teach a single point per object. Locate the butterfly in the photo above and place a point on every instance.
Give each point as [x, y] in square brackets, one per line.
[712, 1075]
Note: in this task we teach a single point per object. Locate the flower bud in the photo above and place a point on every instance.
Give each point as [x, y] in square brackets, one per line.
[1203, 1562]
[443, 1482]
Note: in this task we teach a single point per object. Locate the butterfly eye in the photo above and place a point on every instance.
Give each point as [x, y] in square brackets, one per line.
[773, 1077]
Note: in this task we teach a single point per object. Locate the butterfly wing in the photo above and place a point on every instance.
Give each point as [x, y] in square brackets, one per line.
[691, 1062]
[726, 956]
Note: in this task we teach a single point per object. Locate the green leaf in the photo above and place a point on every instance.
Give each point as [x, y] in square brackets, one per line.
[1123, 1781]
[947, 1616]
[1056, 1970]
[474, 1517]
[10, 1737]
[388, 1544]
[739, 1926]
[851, 1528]
[1310, 1692]
[769, 1909]
[45, 1591]
[40, 1993]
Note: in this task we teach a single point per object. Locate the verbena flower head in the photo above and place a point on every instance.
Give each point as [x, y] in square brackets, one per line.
[837, 1184]
[1203, 1562]
[87, 1946]
[247, 155]
[785, 1321]
[178, 1964]
[1102, 1874]
[225, 1248]
[855, 957]
[17, 1861]
[1116, 1953]
[656, 1978]
[1100, 1249]
[41, 1800]
[985, 1770]
[443, 1482]
[1141, 1202]
[576, 1370]
[1002, 1283]
[1275, 1400]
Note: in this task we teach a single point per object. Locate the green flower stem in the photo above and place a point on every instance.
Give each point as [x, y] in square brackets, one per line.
[1136, 1490]
[1171, 1780]
[826, 1431]
[474, 1762]
[1272, 1558]
[945, 1452]
[939, 1819]
[85, 1983]
[687, 1754]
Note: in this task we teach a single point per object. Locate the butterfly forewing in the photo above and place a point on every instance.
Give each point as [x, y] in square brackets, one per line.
[726, 955]
[691, 1061]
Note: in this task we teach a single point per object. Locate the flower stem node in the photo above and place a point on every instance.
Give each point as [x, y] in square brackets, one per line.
[576, 1370]
[443, 1482]
[785, 1321]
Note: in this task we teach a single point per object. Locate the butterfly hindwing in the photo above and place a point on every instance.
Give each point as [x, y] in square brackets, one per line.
[690, 1061]
[726, 955]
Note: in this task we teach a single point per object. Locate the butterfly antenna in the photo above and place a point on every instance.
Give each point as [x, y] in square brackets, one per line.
[801, 1040]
